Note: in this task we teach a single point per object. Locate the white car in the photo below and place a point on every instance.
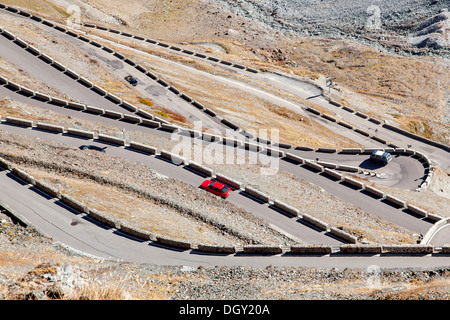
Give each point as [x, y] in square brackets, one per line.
[381, 156]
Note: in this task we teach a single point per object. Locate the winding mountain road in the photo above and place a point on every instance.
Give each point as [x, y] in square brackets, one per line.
[80, 232]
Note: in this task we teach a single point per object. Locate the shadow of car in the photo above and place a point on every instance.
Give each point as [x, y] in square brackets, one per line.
[92, 147]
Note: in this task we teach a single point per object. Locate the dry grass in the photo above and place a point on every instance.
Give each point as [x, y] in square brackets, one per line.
[410, 88]
[44, 7]
[248, 111]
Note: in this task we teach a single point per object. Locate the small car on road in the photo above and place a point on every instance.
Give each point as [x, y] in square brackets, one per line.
[132, 80]
[92, 147]
[381, 156]
[216, 188]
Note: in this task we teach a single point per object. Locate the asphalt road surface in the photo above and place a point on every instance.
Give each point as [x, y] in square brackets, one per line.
[82, 233]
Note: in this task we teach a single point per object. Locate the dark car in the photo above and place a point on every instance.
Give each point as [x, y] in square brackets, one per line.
[131, 80]
[91, 147]
[216, 187]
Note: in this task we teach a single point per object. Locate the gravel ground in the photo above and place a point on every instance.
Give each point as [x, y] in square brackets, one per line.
[66, 164]
[34, 267]
[344, 19]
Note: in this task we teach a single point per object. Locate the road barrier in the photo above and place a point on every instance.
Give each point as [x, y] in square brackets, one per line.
[417, 210]
[333, 174]
[81, 133]
[360, 249]
[209, 112]
[216, 249]
[135, 232]
[273, 152]
[111, 139]
[44, 187]
[257, 194]
[364, 133]
[101, 217]
[286, 208]
[231, 142]
[395, 201]
[326, 150]
[95, 110]
[20, 122]
[190, 132]
[253, 146]
[50, 127]
[211, 137]
[261, 249]
[313, 165]
[294, 158]
[327, 165]
[73, 203]
[58, 102]
[343, 235]
[27, 92]
[176, 159]
[169, 127]
[347, 168]
[313, 249]
[408, 249]
[59, 66]
[283, 145]
[142, 147]
[335, 103]
[145, 114]
[351, 151]
[150, 123]
[353, 182]
[23, 175]
[174, 243]
[113, 114]
[329, 118]
[200, 168]
[228, 181]
[314, 221]
[131, 118]
[346, 125]
[373, 191]
[361, 115]
[230, 124]
[317, 112]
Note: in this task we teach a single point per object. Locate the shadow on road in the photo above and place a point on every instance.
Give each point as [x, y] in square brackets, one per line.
[371, 165]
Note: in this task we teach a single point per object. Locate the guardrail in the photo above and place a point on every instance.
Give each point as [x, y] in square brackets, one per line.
[326, 168]
[96, 88]
[384, 125]
[305, 250]
[321, 167]
[189, 99]
[174, 158]
[171, 47]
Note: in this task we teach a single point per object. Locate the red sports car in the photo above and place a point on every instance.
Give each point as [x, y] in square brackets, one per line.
[216, 187]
